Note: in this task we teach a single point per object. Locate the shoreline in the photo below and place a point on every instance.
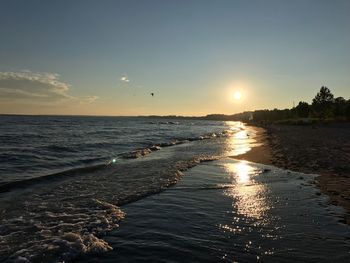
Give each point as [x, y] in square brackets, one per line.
[258, 154]
[283, 147]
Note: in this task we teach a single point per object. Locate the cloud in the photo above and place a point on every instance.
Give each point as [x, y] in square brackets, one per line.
[90, 99]
[27, 86]
[125, 78]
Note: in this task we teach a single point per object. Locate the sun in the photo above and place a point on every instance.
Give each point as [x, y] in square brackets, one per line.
[237, 95]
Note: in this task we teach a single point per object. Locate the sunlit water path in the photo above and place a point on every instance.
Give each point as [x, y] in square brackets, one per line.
[232, 211]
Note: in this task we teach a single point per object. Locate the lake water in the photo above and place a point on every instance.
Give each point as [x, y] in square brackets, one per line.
[112, 189]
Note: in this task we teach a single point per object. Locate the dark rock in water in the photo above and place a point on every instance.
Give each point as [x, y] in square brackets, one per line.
[266, 170]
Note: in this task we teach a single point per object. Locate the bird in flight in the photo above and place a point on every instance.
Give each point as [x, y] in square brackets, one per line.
[152, 94]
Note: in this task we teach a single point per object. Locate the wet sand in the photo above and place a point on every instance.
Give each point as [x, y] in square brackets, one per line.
[323, 150]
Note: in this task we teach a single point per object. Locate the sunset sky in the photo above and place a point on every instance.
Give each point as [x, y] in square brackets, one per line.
[107, 57]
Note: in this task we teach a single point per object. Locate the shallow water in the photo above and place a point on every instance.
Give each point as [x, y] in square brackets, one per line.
[232, 211]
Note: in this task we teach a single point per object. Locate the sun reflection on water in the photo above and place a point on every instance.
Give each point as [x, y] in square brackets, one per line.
[241, 171]
[249, 196]
[241, 135]
[241, 141]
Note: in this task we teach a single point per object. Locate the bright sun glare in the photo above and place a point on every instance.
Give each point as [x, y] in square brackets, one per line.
[237, 95]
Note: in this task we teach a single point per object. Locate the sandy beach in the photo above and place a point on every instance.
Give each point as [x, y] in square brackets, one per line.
[323, 150]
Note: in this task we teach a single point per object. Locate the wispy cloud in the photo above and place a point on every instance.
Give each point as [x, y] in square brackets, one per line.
[125, 78]
[124, 83]
[36, 87]
[90, 99]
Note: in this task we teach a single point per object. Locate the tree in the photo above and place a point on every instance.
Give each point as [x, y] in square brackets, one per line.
[322, 103]
[347, 110]
[339, 107]
[303, 109]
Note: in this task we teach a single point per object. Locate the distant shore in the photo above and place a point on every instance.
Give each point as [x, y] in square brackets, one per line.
[323, 150]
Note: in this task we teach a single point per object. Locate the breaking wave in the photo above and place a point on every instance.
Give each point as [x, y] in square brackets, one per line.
[60, 216]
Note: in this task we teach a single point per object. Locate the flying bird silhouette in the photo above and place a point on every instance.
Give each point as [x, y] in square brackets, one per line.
[152, 94]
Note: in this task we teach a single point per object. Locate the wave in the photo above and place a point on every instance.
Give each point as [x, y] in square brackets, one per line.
[60, 148]
[69, 219]
[135, 154]
[5, 187]
[204, 187]
[69, 212]
[61, 235]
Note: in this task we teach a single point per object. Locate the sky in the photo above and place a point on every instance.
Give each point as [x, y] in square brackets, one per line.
[107, 57]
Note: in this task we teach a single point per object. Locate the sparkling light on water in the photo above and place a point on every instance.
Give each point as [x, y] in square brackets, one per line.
[249, 197]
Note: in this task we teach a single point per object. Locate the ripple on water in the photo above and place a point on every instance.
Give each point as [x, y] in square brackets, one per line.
[64, 217]
[233, 211]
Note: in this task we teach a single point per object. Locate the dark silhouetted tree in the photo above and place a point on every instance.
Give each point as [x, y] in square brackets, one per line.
[303, 109]
[347, 110]
[339, 107]
[322, 103]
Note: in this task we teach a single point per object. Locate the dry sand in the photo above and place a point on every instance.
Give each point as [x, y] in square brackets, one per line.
[323, 150]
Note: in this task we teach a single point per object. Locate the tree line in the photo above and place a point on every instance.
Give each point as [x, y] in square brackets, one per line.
[324, 106]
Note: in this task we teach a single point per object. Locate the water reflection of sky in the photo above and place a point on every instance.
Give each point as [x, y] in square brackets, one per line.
[248, 196]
